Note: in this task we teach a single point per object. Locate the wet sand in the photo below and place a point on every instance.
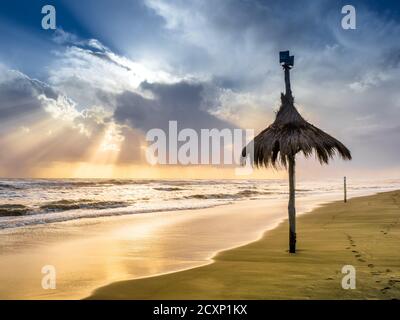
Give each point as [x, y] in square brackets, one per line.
[90, 253]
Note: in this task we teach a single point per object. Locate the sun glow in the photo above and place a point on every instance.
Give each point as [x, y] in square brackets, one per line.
[133, 171]
[34, 141]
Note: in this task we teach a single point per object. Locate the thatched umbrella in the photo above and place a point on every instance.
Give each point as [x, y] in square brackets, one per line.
[290, 134]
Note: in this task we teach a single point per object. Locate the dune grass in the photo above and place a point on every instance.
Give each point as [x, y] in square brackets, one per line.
[364, 232]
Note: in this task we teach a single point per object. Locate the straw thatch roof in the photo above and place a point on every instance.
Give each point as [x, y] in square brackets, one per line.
[290, 134]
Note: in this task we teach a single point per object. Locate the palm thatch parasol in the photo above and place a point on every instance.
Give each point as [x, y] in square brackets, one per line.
[288, 135]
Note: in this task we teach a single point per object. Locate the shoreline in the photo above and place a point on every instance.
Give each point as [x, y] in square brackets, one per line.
[117, 229]
[209, 279]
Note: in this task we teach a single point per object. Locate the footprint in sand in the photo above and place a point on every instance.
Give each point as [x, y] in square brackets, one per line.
[371, 265]
[361, 260]
[393, 282]
[384, 290]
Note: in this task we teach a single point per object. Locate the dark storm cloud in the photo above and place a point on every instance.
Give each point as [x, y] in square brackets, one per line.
[19, 98]
[182, 102]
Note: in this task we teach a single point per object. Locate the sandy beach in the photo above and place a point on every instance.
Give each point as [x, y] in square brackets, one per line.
[362, 233]
[90, 253]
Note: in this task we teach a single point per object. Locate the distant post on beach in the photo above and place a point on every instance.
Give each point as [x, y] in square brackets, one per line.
[345, 189]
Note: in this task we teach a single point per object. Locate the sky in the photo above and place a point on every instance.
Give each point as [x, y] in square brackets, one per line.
[78, 101]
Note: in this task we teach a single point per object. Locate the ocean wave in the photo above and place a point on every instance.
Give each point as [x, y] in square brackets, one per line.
[252, 192]
[64, 205]
[210, 196]
[52, 217]
[113, 182]
[69, 183]
[8, 186]
[241, 194]
[36, 201]
[12, 210]
[168, 189]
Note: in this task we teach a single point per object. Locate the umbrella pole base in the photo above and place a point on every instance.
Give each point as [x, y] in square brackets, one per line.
[292, 242]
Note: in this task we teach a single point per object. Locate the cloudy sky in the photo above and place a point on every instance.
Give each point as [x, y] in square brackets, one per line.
[77, 101]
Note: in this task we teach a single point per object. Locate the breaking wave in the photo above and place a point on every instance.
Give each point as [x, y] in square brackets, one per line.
[12, 210]
[64, 205]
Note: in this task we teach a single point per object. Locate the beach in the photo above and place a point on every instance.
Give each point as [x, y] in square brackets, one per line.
[90, 253]
[363, 233]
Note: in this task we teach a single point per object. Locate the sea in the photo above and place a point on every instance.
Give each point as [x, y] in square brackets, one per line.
[28, 202]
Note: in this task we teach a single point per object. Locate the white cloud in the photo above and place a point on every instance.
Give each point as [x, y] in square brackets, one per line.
[81, 73]
[60, 108]
[112, 138]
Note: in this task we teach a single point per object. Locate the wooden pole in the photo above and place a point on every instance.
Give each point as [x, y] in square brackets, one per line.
[287, 81]
[291, 206]
[345, 189]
